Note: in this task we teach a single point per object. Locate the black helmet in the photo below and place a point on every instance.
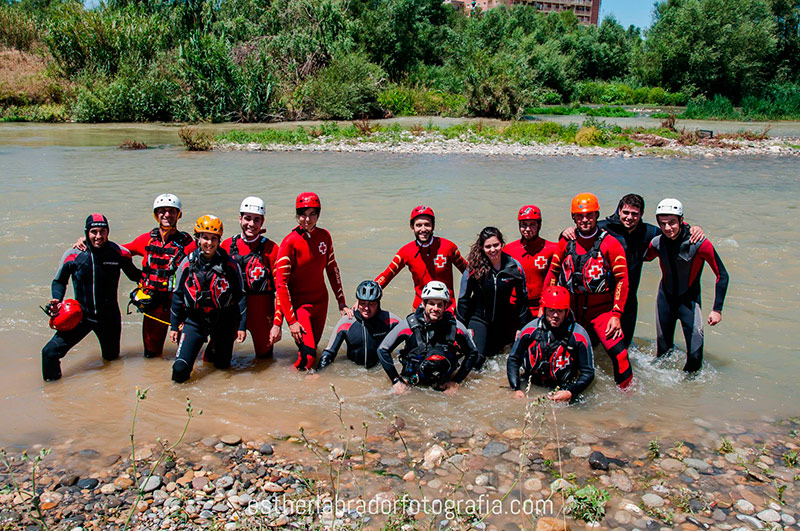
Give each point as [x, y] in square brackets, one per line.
[369, 290]
[435, 368]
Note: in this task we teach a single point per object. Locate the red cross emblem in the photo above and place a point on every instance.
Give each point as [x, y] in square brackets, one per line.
[595, 272]
[540, 262]
[322, 248]
[256, 273]
[561, 362]
[440, 261]
[222, 284]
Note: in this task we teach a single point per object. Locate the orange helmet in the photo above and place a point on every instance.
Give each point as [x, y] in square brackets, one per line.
[585, 203]
[208, 223]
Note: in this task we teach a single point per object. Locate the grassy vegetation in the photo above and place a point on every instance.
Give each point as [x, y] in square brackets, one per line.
[561, 110]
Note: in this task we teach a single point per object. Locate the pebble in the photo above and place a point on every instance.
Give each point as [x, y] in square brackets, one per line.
[108, 488]
[672, 465]
[390, 461]
[68, 480]
[652, 500]
[89, 453]
[231, 439]
[769, 515]
[199, 482]
[150, 484]
[88, 483]
[719, 515]
[533, 484]
[788, 519]
[745, 507]
[494, 449]
[513, 433]
[225, 482]
[560, 484]
[546, 523]
[142, 453]
[754, 522]
[697, 464]
[123, 482]
[623, 517]
[621, 481]
[433, 457]
[598, 461]
[220, 508]
[266, 449]
[581, 452]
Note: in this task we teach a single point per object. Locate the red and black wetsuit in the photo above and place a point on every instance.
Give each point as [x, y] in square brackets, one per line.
[302, 294]
[552, 357]
[679, 292]
[362, 336]
[209, 302]
[95, 281]
[494, 307]
[445, 338]
[256, 260]
[432, 261]
[534, 257]
[160, 260]
[595, 272]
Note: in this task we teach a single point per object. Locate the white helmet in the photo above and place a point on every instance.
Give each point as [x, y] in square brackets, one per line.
[670, 206]
[436, 290]
[253, 205]
[167, 200]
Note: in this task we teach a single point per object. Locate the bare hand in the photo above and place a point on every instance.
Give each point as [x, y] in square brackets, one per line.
[297, 331]
[516, 336]
[614, 328]
[696, 234]
[560, 396]
[346, 311]
[519, 394]
[569, 233]
[54, 303]
[399, 388]
[241, 335]
[450, 388]
[173, 335]
[80, 244]
[275, 334]
[714, 318]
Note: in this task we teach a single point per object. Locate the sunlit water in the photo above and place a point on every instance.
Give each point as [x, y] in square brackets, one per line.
[54, 176]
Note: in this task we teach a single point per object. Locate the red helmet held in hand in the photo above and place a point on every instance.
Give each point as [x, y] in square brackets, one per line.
[66, 316]
[555, 298]
[307, 200]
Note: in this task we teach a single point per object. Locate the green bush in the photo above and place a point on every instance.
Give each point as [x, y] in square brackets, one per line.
[719, 107]
[347, 88]
[17, 28]
[777, 102]
[591, 136]
[399, 101]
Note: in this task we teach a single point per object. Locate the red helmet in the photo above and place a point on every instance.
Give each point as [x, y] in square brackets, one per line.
[307, 200]
[422, 210]
[555, 298]
[66, 316]
[530, 212]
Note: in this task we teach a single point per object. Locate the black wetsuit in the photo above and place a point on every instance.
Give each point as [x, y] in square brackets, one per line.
[679, 292]
[552, 358]
[209, 301]
[95, 280]
[363, 337]
[494, 307]
[446, 338]
[635, 244]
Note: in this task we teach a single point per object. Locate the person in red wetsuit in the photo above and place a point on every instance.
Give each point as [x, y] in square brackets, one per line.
[428, 257]
[532, 252]
[594, 270]
[256, 256]
[162, 250]
[304, 254]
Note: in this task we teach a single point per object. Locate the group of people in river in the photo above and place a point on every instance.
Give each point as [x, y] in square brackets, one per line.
[551, 302]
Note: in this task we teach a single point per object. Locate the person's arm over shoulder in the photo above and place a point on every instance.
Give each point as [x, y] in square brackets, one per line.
[58, 288]
[138, 246]
[516, 357]
[709, 254]
[555, 264]
[395, 266]
[126, 262]
[619, 268]
[585, 361]
[455, 257]
[397, 335]
[338, 337]
[653, 249]
[470, 351]
[334, 276]
[178, 311]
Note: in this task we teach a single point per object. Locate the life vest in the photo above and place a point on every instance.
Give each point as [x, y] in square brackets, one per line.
[163, 259]
[255, 269]
[429, 363]
[207, 289]
[550, 358]
[586, 273]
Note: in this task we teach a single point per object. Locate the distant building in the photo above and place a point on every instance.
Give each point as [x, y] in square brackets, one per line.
[587, 11]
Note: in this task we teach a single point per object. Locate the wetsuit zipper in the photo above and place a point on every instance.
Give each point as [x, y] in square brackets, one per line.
[364, 328]
[494, 295]
[94, 286]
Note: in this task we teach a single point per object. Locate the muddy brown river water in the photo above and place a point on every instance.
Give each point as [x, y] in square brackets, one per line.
[53, 176]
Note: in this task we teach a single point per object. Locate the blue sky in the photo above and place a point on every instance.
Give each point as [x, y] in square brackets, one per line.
[627, 12]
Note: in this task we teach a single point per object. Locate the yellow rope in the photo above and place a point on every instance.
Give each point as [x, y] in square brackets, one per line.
[156, 319]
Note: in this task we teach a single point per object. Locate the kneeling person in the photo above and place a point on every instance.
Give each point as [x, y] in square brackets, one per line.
[95, 279]
[208, 301]
[364, 331]
[434, 342]
[552, 351]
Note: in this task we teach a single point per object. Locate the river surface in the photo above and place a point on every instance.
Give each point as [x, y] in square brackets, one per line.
[53, 176]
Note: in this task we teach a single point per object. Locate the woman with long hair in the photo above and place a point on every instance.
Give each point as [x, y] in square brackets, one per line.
[493, 300]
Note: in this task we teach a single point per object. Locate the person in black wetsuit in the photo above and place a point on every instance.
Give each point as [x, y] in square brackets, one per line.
[552, 351]
[626, 225]
[679, 291]
[364, 331]
[433, 343]
[208, 301]
[493, 303]
[95, 280]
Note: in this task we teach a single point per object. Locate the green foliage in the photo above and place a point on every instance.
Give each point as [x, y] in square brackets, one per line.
[403, 101]
[34, 113]
[17, 28]
[588, 503]
[346, 88]
[790, 458]
[653, 449]
[591, 136]
[620, 94]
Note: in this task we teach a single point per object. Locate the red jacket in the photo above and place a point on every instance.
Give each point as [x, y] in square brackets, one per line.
[534, 257]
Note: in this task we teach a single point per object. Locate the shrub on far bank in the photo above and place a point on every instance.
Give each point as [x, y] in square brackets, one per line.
[403, 101]
[601, 92]
[345, 89]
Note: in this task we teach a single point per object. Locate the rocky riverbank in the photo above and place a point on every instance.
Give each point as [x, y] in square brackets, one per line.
[713, 477]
